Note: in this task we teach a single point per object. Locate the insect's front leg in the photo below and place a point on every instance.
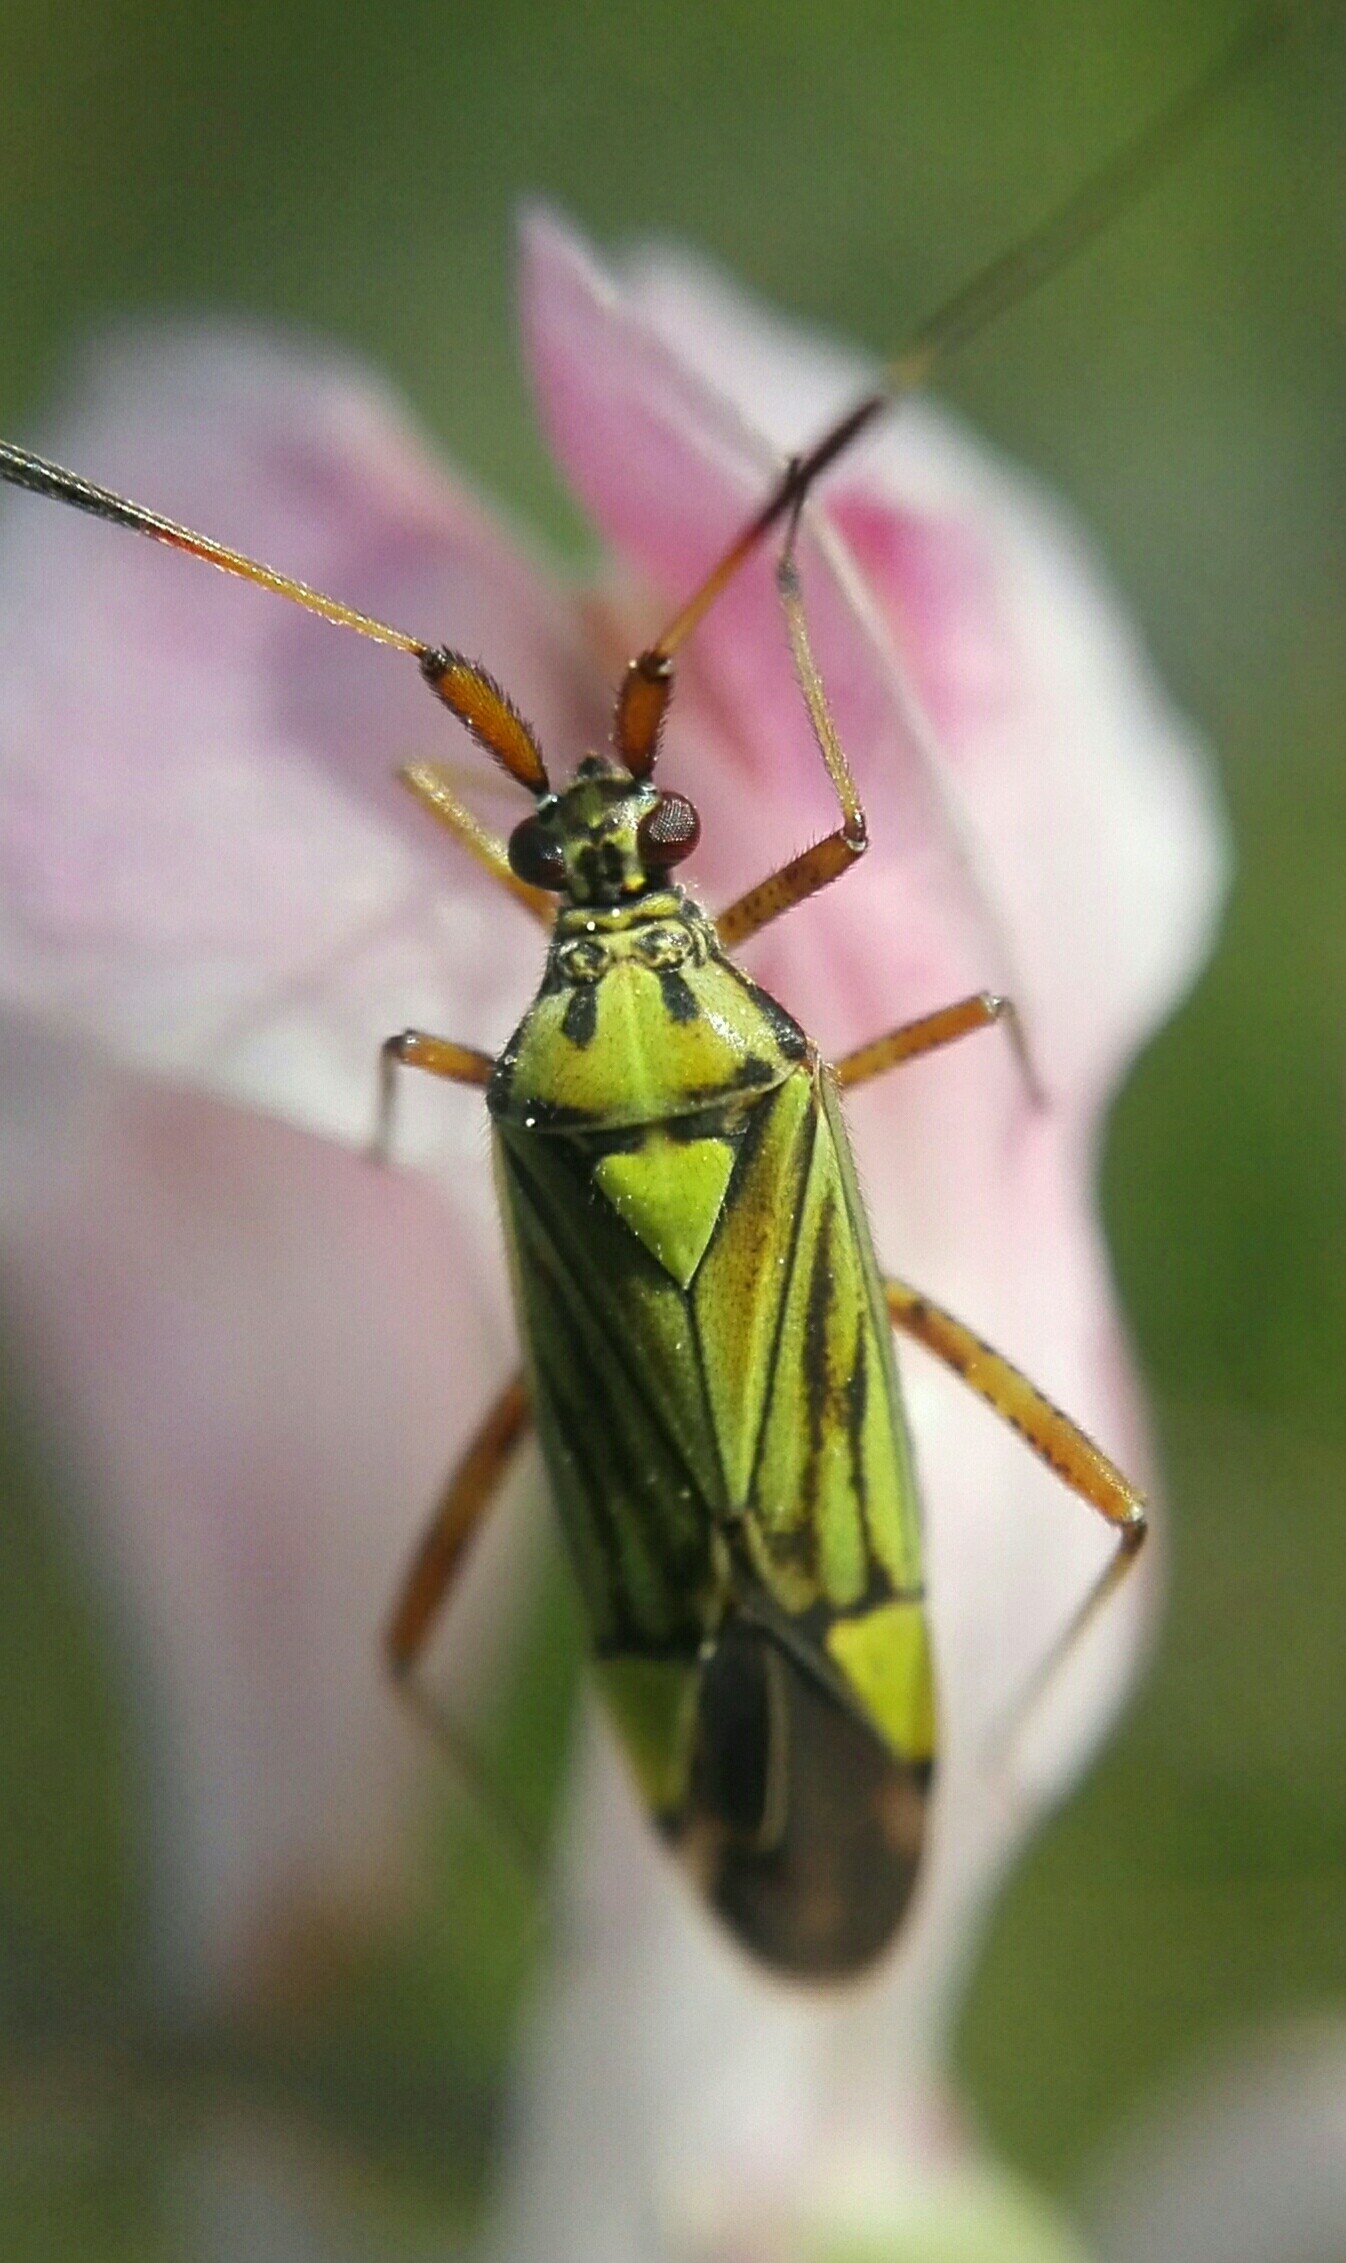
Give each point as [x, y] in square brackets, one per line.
[1068, 1452]
[438, 1056]
[826, 860]
[430, 784]
[912, 1039]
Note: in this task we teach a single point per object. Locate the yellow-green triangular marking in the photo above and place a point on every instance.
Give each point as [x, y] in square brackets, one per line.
[669, 1192]
[885, 1656]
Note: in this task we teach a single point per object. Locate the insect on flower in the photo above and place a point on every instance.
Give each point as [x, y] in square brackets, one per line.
[708, 1357]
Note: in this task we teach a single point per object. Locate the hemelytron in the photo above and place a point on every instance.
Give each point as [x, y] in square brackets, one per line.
[707, 1336]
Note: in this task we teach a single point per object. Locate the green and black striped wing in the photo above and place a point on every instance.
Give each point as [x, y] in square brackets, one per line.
[718, 1408]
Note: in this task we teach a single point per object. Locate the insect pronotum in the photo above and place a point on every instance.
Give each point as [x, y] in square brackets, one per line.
[693, 1275]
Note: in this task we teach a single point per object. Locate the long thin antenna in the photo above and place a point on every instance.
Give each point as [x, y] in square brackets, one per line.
[1012, 276]
[465, 688]
[22, 469]
[1024, 266]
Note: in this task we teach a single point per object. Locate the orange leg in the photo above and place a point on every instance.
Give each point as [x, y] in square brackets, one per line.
[827, 859]
[1048, 1433]
[438, 1056]
[432, 789]
[463, 1504]
[425, 1588]
[911, 1039]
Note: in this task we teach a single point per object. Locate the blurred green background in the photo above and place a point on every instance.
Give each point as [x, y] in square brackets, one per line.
[355, 170]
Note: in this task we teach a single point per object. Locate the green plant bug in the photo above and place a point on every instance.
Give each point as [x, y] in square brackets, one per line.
[707, 1337]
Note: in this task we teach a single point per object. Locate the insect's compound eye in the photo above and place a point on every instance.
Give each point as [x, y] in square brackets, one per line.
[663, 946]
[668, 832]
[535, 855]
[583, 960]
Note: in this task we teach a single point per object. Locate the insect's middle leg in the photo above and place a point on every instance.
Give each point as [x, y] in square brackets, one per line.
[911, 1039]
[826, 860]
[1050, 1434]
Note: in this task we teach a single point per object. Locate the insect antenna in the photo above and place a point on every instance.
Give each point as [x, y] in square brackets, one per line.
[466, 689]
[20, 468]
[1012, 276]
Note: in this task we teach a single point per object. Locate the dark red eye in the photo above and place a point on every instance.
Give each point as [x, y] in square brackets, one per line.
[535, 855]
[668, 832]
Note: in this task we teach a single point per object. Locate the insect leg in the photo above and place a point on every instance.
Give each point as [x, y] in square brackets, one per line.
[1051, 1435]
[911, 1039]
[429, 1578]
[463, 1504]
[1048, 1433]
[827, 859]
[439, 1056]
[432, 789]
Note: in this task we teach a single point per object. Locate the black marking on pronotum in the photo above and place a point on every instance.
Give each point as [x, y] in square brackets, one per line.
[542, 1115]
[786, 1031]
[679, 998]
[580, 1018]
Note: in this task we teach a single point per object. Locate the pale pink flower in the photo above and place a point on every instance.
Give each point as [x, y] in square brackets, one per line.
[265, 1353]
[260, 1353]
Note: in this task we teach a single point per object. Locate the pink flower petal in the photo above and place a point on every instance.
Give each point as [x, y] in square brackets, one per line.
[211, 878]
[216, 874]
[669, 471]
[1089, 827]
[266, 1353]
[260, 1356]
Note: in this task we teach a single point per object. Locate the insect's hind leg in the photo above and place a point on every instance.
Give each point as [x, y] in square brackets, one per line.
[1052, 1436]
[816, 867]
[463, 1506]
